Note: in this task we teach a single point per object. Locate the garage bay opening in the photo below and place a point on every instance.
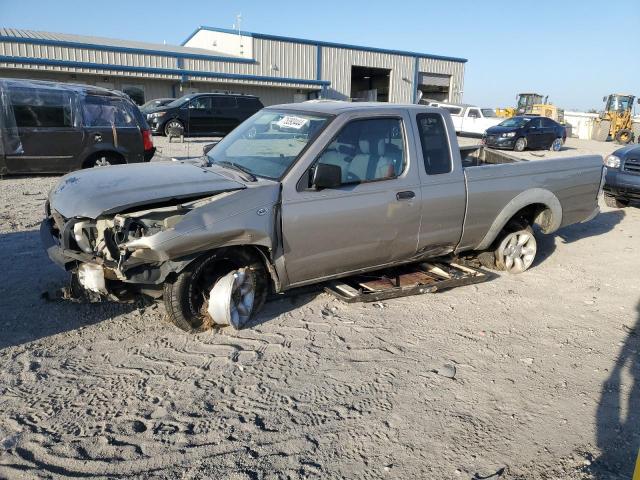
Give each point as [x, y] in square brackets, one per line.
[370, 84]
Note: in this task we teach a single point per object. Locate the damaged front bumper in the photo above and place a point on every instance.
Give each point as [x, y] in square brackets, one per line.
[102, 276]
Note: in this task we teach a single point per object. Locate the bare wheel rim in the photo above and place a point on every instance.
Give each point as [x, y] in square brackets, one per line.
[102, 162]
[231, 300]
[517, 251]
[556, 145]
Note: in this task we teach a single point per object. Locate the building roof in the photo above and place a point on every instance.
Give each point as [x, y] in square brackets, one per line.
[111, 44]
[320, 43]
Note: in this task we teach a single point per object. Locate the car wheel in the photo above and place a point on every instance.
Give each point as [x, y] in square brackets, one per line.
[171, 124]
[624, 136]
[224, 287]
[556, 145]
[520, 144]
[516, 250]
[614, 202]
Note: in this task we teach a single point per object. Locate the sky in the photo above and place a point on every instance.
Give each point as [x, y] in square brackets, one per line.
[575, 51]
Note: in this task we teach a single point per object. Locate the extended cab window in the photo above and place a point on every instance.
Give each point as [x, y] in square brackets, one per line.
[106, 112]
[474, 113]
[367, 150]
[435, 143]
[34, 107]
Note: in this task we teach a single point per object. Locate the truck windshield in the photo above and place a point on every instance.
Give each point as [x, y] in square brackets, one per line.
[266, 144]
[514, 122]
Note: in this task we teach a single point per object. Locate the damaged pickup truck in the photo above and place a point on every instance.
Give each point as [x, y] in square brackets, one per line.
[300, 194]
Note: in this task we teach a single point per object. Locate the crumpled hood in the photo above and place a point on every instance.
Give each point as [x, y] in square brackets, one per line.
[107, 190]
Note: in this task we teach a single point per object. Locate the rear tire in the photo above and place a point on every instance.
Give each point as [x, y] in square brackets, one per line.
[516, 250]
[520, 144]
[614, 202]
[556, 145]
[186, 296]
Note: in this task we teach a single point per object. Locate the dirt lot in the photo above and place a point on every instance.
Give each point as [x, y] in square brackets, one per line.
[547, 383]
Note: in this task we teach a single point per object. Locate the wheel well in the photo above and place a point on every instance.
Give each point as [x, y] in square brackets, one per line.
[103, 153]
[260, 252]
[534, 214]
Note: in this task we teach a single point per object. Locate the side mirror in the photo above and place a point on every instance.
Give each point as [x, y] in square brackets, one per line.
[326, 176]
[207, 148]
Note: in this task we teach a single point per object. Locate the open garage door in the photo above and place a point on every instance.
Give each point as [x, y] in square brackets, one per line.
[370, 84]
[434, 86]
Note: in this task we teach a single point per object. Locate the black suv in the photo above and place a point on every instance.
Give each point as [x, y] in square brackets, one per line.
[204, 113]
[50, 127]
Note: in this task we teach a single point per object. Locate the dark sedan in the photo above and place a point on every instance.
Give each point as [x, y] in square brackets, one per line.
[526, 131]
[623, 176]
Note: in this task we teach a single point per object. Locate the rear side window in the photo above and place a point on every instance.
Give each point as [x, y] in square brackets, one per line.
[225, 103]
[453, 110]
[35, 108]
[435, 143]
[249, 104]
[474, 113]
[106, 112]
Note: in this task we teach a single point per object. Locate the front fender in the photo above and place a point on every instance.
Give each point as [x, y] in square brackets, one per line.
[523, 200]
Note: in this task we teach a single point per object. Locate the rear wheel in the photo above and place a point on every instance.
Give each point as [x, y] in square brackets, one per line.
[237, 298]
[520, 144]
[556, 145]
[614, 202]
[624, 136]
[516, 250]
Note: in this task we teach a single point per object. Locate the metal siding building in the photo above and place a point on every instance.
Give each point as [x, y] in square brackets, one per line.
[277, 69]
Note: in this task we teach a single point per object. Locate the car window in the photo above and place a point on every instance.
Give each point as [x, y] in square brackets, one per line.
[489, 112]
[453, 110]
[200, 103]
[225, 103]
[435, 143]
[536, 123]
[367, 150]
[105, 112]
[548, 123]
[473, 113]
[42, 107]
[249, 104]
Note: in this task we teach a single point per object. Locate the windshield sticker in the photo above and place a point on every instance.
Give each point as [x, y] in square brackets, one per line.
[291, 121]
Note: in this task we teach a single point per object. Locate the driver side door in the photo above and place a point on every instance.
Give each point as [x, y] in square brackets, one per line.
[371, 219]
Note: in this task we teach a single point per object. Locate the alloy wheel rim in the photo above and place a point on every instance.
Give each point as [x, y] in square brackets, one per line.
[102, 162]
[518, 251]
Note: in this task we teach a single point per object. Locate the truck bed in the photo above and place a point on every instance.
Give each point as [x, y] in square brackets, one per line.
[495, 178]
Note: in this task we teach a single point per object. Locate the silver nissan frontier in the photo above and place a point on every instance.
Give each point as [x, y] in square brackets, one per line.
[300, 194]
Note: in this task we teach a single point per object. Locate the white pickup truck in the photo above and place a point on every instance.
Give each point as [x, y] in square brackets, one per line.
[469, 119]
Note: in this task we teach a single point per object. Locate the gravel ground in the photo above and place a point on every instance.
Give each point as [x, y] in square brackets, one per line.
[547, 383]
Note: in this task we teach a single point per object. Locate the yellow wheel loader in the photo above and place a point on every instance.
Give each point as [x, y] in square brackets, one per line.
[616, 121]
[532, 104]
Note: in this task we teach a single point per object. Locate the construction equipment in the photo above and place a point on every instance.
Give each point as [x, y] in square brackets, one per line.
[532, 104]
[616, 121]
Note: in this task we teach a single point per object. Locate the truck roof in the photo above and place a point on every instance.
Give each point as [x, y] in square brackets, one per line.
[335, 107]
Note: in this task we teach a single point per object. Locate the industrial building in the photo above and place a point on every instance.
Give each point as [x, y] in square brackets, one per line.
[278, 69]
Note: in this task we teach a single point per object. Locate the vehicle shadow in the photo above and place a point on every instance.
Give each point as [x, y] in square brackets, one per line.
[279, 304]
[25, 314]
[618, 413]
[603, 223]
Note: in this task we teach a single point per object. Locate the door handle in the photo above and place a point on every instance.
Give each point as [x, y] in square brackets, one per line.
[407, 195]
[97, 137]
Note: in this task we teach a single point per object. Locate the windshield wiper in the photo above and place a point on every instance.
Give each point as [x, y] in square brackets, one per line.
[235, 166]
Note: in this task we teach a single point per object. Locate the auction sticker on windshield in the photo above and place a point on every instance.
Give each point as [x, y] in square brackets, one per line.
[291, 121]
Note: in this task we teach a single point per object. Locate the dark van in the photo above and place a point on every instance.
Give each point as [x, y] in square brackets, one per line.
[50, 127]
[204, 113]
